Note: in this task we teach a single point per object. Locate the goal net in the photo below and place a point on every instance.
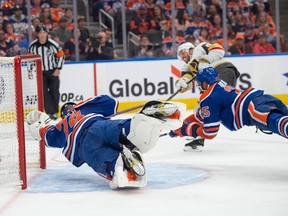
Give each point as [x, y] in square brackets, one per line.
[20, 92]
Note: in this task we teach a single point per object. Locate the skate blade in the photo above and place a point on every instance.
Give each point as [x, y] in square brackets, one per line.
[190, 149]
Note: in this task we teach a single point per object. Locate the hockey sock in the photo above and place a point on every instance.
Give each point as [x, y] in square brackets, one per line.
[278, 124]
[283, 126]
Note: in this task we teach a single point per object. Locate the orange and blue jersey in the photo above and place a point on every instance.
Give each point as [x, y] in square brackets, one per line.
[67, 133]
[223, 104]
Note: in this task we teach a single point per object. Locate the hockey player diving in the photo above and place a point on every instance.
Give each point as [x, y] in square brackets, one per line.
[112, 148]
[197, 58]
[221, 103]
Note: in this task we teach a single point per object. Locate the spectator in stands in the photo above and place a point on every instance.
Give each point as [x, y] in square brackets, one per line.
[35, 21]
[109, 40]
[212, 12]
[36, 8]
[180, 20]
[82, 26]
[270, 32]
[162, 21]
[5, 46]
[259, 6]
[196, 23]
[217, 30]
[167, 43]
[150, 7]
[145, 48]
[262, 19]
[69, 48]
[69, 17]
[262, 46]
[21, 4]
[21, 48]
[190, 38]
[135, 4]
[203, 36]
[97, 49]
[250, 35]
[56, 11]
[62, 32]
[46, 18]
[240, 22]
[19, 20]
[142, 22]
[10, 35]
[179, 5]
[190, 7]
[239, 47]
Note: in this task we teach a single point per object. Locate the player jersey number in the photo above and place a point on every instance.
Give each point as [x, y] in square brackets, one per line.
[68, 125]
[205, 113]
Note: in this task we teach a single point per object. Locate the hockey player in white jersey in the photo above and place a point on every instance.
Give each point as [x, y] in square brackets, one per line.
[112, 148]
[196, 58]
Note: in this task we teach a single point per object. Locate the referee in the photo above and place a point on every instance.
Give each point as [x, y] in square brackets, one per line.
[52, 62]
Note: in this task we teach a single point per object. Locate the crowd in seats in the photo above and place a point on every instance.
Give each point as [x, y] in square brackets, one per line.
[249, 22]
[250, 26]
[60, 24]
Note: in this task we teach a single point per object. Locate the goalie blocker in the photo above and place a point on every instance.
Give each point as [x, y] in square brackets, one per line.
[122, 142]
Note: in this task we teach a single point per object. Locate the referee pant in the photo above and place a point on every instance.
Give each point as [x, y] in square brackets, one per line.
[51, 85]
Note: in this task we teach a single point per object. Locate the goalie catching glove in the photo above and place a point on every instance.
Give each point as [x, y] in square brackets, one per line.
[36, 120]
[188, 129]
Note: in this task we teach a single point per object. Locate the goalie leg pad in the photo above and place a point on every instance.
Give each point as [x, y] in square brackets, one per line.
[159, 109]
[125, 178]
[144, 132]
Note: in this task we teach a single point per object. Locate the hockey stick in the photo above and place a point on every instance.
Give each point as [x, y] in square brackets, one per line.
[142, 105]
[164, 134]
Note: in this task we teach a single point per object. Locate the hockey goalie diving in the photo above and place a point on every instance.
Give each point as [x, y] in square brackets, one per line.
[112, 148]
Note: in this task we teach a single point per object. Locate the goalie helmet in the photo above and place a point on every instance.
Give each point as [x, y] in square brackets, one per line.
[185, 47]
[208, 75]
[66, 108]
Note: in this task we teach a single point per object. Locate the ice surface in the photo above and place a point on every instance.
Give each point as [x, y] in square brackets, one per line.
[239, 173]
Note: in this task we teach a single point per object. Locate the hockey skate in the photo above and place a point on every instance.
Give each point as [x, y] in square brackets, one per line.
[129, 171]
[133, 161]
[159, 109]
[194, 145]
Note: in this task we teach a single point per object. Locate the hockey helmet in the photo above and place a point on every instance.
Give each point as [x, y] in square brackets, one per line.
[208, 75]
[185, 47]
[66, 108]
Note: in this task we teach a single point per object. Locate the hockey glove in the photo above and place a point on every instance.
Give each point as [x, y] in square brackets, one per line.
[189, 129]
[182, 83]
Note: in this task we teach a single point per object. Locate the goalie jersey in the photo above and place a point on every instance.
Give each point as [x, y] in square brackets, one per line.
[67, 133]
[221, 103]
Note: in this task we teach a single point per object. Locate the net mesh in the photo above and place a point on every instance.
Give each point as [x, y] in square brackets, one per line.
[9, 140]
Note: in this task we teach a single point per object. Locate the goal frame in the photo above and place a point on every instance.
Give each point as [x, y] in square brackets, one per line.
[20, 114]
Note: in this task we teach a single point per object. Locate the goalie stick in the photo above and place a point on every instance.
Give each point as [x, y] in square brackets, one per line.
[142, 105]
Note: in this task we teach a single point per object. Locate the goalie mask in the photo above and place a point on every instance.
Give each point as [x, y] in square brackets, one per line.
[184, 52]
[66, 109]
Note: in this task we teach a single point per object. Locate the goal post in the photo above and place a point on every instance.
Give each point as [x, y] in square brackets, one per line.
[21, 91]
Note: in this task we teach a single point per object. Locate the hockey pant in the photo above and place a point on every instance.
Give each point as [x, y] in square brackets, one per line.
[100, 146]
[270, 114]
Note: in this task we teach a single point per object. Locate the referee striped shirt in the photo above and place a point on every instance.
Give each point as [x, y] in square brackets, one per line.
[52, 54]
